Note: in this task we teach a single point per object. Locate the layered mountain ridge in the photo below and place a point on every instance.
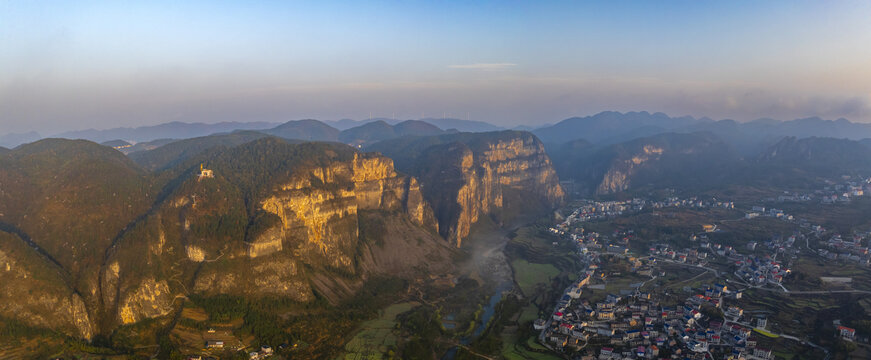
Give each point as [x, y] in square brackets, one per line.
[98, 243]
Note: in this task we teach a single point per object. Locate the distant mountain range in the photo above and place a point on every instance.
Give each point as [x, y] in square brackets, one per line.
[607, 127]
[308, 129]
[748, 137]
[12, 140]
[174, 130]
[380, 130]
[165, 153]
[704, 161]
[442, 123]
[311, 130]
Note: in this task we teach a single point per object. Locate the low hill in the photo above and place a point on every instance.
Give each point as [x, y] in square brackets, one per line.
[177, 130]
[818, 154]
[147, 145]
[116, 144]
[306, 130]
[177, 152]
[379, 130]
[462, 125]
[665, 160]
[611, 126]
[459, 125]
[703, 161]
[748, 138]
[367, 133]
[12, 140]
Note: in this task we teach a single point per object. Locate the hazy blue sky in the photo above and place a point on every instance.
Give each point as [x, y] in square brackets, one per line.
[73, 65]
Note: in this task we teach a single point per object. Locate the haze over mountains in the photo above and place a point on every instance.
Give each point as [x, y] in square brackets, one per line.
[111, 235]
[603, 153]
[605, 127]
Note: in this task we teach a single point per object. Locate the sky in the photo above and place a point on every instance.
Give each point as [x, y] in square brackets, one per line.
[103, 64]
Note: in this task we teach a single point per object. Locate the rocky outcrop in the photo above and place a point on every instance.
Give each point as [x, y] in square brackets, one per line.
[318, 208]
[692, 160]
[466, 176]
[277, 275]
[497, 167]
[618, 175]
[34, 292]
[151, 299]
[306, 224]
[275, 219]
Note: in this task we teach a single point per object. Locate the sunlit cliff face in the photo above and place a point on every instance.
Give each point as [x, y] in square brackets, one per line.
[518, 163]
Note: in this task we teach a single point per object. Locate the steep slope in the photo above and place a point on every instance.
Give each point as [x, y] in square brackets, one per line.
[307, 130]
[89, 242]
[68, 200]
[36, 291]
[502, 174]
[297, 222]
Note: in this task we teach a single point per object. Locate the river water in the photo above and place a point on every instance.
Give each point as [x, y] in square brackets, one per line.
[490, 261]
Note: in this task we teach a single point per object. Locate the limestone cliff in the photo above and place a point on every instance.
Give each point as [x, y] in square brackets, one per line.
[467, 175]
[318, 208]
[302, 224]
[89, 242]
[617, 177]
[670, 160]
[35, 293]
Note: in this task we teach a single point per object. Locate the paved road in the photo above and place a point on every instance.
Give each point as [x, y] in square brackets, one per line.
[820, 292]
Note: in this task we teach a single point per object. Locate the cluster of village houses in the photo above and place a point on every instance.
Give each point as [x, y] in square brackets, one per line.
[830, 194]
[848, 250]
[835, 248]
[637, 326]
[595, 210]
[634, 325]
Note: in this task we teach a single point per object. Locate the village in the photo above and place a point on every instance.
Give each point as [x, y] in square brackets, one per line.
[601, 316]
[590, 210]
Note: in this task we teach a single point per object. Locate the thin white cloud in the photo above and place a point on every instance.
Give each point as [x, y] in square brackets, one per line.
[484, 66]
